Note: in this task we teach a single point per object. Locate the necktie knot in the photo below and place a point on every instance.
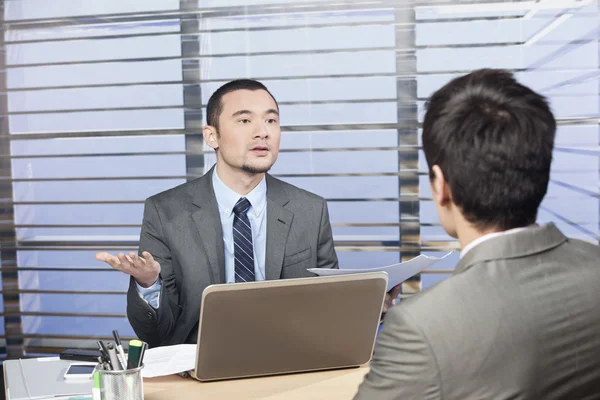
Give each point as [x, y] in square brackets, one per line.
[241, 207]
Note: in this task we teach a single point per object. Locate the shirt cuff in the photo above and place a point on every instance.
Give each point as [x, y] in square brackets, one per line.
[150, 295]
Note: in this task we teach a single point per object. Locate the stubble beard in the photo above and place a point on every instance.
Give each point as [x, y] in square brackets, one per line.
[255, 170]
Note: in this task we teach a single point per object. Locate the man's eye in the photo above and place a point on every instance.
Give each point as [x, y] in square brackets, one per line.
[245, 121]
[272, 121]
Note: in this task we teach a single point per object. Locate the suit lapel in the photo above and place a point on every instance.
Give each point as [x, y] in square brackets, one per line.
[208, 222]
[279, 222]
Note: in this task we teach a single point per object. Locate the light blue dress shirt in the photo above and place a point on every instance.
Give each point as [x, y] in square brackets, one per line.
[257, 214]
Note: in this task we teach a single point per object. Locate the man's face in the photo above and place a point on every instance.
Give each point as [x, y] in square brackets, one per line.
[249, 133]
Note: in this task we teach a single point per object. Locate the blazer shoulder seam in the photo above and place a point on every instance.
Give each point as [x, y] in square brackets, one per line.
[293, 191]
[184, 189]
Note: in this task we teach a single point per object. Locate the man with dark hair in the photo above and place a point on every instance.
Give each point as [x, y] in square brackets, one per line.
[214, 108]
[519, 317]
[235, 224]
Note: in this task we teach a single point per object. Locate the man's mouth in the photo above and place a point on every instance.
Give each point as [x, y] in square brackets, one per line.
[260, 148]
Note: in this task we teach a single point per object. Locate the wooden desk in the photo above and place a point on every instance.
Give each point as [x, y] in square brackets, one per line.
[333, 385]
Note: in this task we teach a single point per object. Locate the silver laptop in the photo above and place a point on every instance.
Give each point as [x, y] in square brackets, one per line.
[286, 326]
[37, 378]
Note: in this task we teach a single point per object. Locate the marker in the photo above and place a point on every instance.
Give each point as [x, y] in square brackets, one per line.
[135, 351]
[121, 354]
[96, 390]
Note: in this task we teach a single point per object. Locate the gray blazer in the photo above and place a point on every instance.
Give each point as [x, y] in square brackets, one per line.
[182, 230]
[519, 320]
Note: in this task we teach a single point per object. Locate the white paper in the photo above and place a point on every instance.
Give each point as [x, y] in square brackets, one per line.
[397, 273]
[169, 360]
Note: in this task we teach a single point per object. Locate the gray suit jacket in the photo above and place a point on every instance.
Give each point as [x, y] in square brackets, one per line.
[519, 320]
[182, 230]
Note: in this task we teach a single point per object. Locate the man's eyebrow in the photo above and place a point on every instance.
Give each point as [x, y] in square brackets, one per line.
[248, 112]
[241, 112]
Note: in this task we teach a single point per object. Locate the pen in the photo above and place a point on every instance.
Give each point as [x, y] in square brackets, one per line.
[144, 347]
[104, 351]
[103, 364]
[135, 351]
[114, 361]
[120, 349]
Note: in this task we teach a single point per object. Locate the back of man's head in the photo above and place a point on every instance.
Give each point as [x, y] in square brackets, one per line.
[492, 138]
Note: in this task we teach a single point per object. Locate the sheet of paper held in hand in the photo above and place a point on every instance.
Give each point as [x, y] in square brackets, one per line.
[397, 273]
[169, 360]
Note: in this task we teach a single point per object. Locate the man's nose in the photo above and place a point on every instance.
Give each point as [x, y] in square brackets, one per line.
[261, 131]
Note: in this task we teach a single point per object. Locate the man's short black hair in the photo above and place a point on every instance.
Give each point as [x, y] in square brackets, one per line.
[493, 139]
[215, 103]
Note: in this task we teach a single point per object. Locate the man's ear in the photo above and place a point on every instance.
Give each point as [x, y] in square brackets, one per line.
[210, 136]
[439, 187]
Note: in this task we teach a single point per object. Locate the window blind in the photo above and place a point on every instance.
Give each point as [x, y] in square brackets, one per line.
[104, 103]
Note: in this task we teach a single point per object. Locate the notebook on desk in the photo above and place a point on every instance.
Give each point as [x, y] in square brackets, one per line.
[287, 326]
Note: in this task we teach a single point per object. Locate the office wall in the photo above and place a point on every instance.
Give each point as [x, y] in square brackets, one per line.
[105, 101]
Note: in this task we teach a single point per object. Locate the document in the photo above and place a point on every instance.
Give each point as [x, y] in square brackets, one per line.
[169, 360]
[397, 273]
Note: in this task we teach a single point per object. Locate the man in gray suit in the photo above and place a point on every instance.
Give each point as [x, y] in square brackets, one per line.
[234, 224]
[519, 318]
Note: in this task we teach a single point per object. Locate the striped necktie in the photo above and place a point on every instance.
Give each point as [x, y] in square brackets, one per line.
[242, 242]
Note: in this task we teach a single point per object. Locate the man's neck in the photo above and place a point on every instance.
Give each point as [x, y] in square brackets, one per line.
[239, 181]
[470, 237]
[466, 232]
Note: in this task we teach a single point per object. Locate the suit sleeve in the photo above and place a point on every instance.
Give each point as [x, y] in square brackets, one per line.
[326, 256]
[403, 365]
[152, 325]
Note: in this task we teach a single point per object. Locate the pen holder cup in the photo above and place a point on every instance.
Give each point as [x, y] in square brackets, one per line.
[122, 385]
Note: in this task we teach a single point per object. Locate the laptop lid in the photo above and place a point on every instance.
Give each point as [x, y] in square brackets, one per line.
[291, 325]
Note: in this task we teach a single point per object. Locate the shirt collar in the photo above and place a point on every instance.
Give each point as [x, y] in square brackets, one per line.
[489, 236]
[226, 197]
